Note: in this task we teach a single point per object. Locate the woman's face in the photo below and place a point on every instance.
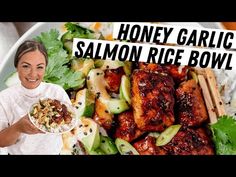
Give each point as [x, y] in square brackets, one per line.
[31, 69]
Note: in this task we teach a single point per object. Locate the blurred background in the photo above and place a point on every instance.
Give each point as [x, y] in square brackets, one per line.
[9, 33]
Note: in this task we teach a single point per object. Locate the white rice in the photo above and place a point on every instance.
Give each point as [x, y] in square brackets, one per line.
[227, 86]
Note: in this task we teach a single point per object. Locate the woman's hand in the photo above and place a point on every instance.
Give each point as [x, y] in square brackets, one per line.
[24, 125]
[10, 135]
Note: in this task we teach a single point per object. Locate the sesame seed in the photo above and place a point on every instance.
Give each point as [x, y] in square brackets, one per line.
[98, 94]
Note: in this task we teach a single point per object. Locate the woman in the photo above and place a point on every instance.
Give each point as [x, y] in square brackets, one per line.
[17, 133]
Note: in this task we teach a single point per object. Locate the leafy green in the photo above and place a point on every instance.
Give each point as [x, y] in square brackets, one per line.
[50, 41]
[224, 135]
[57, 71]
[76, 31]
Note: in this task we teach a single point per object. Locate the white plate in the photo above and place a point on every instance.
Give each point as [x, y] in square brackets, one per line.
[69, 127]
[7, 66]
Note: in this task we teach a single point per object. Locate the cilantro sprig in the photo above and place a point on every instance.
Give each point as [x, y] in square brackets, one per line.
[58, 71]
[224, 135]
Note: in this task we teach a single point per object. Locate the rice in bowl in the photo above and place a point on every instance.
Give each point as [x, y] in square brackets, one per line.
[52, 116]
[226, 80]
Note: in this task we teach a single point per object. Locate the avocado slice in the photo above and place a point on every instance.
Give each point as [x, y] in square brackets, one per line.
[83, 65]
[125, 88]
[125, 148]
[167, 135]
[127, 68]
[107, 145]
[84, 103]
[96, 83]
[88, 133]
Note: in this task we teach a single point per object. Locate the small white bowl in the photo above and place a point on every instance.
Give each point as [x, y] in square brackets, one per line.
[62, 128]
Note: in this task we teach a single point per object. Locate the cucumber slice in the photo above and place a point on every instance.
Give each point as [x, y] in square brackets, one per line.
[68, 46]
[167, 135]
[107, 145]
[125, 89]
[13, 79]
[97, 151]
[125, 148]
[68, 36]
[84, 103]
[117, 106]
